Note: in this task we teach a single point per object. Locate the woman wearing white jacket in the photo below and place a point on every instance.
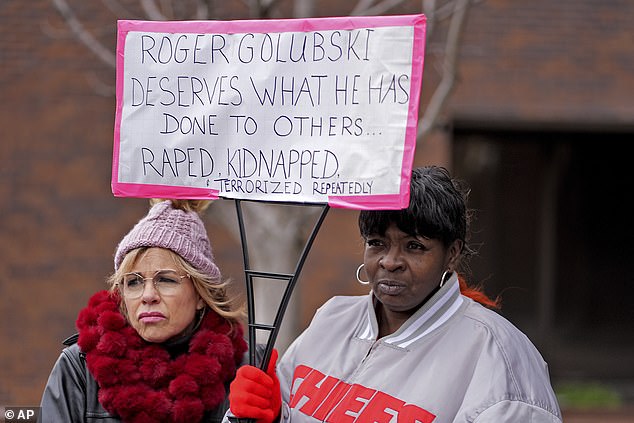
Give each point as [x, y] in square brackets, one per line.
[422, 346]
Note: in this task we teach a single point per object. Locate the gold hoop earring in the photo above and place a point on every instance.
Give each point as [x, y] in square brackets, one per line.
[359, 278]
[443, 278]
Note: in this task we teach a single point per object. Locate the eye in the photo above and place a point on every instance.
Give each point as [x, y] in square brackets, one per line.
[374, 242]
[167, 278]
[132, 281]
[415, 245]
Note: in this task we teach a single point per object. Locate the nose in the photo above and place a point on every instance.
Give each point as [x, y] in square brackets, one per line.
[150, 293]
[392, 260]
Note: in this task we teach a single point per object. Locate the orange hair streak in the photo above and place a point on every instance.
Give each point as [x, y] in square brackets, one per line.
[477, 294]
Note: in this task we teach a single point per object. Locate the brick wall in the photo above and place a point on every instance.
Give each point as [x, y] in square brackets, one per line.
[554, 62]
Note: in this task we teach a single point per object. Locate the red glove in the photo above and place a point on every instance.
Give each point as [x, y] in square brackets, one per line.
[256, 395]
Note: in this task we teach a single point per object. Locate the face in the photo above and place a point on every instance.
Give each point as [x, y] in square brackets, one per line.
[403, 269]
[158, 317]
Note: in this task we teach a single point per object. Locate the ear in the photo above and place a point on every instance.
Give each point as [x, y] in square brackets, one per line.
[200, 304]
[453, 254]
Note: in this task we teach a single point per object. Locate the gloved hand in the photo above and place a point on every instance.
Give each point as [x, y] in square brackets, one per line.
[256, 395]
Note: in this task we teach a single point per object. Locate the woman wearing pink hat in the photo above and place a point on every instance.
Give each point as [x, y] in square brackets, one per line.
[162, 344]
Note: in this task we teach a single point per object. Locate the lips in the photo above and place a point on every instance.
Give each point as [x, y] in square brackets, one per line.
[389, 287]
[151, 317]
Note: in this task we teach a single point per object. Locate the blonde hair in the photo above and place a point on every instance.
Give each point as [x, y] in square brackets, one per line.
[198, 206]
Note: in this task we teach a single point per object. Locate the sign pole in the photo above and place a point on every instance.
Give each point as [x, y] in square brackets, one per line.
[291, 279]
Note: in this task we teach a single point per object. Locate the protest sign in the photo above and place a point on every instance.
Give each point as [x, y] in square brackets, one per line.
[319, 110]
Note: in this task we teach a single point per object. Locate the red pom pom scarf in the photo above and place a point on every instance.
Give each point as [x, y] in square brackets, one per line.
[140, 382]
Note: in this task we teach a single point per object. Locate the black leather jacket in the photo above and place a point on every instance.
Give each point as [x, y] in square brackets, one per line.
[70, 395]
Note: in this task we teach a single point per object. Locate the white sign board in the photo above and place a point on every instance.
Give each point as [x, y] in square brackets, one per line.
[296, 110]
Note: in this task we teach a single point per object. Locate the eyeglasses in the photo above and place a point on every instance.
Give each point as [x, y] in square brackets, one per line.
[166, 282]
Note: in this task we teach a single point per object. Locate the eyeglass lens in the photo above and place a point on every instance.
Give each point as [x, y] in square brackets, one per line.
[166, 282]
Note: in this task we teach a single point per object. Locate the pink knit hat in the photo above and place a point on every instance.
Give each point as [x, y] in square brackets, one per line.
[178, 230]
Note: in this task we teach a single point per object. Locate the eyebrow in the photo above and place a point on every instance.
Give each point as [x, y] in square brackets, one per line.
[154, 272]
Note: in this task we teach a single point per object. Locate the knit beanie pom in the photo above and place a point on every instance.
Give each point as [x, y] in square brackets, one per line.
[175, 225]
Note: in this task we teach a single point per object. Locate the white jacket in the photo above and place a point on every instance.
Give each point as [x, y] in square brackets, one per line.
[452, 361]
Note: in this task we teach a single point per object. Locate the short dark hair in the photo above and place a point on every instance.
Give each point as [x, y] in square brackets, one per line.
[437, 209]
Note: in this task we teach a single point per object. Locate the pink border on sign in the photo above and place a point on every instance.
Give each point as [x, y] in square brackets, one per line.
[400, 201]
[396, 201]
[369, 202]
[163, 191]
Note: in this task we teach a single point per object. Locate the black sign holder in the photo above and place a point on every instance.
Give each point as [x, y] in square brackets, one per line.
[291, 278]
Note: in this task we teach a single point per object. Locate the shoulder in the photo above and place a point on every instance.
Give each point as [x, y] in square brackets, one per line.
[503, 340]
[492, 324]
[72, 350]
[335, 314]
[523, 381]
[71, 340]
[71, 363]
[338, 315]
[342, 304]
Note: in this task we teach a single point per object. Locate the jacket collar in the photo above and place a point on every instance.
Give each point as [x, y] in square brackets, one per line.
[433, 314]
